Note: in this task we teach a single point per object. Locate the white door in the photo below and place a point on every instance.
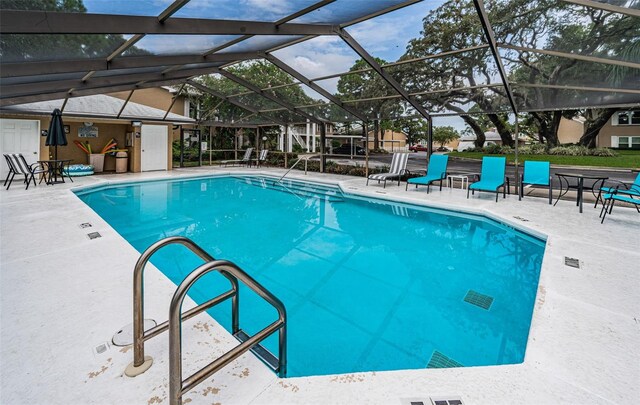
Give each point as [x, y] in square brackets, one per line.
[19, 136]
[154, 147]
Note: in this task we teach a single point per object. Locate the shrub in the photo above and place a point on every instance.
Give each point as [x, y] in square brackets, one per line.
[277, 159]
[534, 149]
[493, 149]
[605, 152]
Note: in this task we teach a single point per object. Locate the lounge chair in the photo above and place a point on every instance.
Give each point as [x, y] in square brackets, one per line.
[622, 188]
[18, 165]
[262, 159]
[246, 159]
[535, 174]
[492, 176]
[610, 198]
[398, 168]
[436, 171]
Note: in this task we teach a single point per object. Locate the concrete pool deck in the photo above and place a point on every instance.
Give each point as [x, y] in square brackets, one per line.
[62, 295]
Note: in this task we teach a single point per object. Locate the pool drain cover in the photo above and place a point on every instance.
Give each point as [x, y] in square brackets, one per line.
[85, 225]
[479, 300]
[439, 360]
[571, 262]
[94, 235]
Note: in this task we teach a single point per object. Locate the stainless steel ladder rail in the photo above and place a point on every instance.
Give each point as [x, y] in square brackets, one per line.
[178, 387]
[306, 160]
[141, 364]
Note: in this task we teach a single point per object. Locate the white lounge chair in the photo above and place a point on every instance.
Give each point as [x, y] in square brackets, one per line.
[262, 159]
[246, 159]
[398, 168]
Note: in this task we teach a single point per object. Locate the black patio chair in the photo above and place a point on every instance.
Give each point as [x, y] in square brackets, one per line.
[18, 165]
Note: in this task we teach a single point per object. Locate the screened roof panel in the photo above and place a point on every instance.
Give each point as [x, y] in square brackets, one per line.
[242, 10]
[634, 4]
[222, 85]
[45, 47]
[387, 36]
[340, 12]
[177, 44]
[535, 98]
[261, 73]
[547, 69]
[319, 57]
[463, 100]
[129, 72]
[256, 101]
[358, 85]
[330, 112]
[121, 7]
[567, 27]
[260, 43]
[462, 69]
[390, 108]
[41, 78]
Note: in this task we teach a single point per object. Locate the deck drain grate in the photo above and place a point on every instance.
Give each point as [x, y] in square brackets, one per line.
[446, 401]
[479, 300]
[519, 218]
[439, 360]
[85, 225]
[571, 262]
[94, 235]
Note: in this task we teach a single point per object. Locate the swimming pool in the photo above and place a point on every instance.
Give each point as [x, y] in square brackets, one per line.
[368, 285]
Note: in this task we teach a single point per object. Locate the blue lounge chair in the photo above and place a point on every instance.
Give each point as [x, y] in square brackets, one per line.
[535, 174]
[621, 188]
[397, 169]
[492, 176]
[610, 199]
[436, 171]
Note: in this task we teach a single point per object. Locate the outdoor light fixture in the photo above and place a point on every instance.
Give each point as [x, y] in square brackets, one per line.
[136, 123]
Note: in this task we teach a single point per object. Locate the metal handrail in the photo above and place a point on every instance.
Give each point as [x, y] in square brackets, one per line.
[301, 158]
[139, 334]
[178, 387]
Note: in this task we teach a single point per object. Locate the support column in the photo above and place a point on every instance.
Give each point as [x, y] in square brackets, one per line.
[516, 157]
[286, 144]
[365, 134]
[323, 135]
[430, 139]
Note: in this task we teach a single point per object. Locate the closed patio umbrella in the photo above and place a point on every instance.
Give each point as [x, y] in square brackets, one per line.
[56, 135]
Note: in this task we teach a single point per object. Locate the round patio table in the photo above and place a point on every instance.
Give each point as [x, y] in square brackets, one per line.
[55, 168]
[565, 178]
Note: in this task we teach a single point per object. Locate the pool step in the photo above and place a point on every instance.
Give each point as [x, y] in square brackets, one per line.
[260, 351]
[299, 188]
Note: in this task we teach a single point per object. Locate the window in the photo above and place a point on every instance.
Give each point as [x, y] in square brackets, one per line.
[627, 118]
[625, 142]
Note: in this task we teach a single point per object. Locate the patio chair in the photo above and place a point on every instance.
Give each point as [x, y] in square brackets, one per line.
[262, 159]
[436, 171]
[246, 159]
[492, 176]
[620, 188]
[398, 168]
[535, 174]
[18, 165]
[609, 200]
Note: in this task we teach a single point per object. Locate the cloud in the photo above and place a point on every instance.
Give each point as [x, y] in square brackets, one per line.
[318, 57]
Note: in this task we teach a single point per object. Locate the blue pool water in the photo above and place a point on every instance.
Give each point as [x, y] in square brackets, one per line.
[368, 285]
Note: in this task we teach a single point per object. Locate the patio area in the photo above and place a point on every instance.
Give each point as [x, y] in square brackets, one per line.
[63, 295]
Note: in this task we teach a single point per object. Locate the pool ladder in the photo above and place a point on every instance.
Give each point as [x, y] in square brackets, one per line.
[177, 386]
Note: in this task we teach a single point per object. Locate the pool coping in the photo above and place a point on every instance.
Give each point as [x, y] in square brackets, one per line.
[546, 382]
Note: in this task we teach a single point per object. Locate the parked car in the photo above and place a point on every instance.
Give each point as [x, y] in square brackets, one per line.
[418, 148]
[346, 149]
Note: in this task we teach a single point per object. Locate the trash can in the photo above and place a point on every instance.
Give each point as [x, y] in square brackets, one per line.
[122, 161]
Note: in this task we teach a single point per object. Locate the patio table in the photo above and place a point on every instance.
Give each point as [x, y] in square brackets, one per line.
[578, 186]
[55, 168]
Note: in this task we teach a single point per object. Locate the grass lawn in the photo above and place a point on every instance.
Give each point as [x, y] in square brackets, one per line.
[626, 159]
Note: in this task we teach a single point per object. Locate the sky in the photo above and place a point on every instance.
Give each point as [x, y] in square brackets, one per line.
[385, 37]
